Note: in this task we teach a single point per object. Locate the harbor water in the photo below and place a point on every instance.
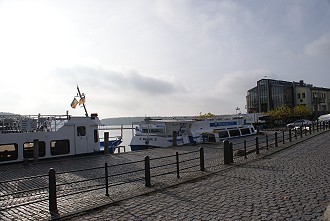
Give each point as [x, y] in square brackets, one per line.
[115, 131]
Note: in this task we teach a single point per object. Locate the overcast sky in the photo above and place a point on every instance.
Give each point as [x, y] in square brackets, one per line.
[156, 57]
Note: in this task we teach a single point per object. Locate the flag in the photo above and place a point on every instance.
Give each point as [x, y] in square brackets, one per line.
[82, 101]
[74, 103]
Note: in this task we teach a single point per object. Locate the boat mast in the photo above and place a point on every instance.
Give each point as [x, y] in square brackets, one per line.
[83, 102]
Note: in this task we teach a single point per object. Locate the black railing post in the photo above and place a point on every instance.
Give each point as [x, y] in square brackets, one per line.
[323, 125]
[201, 157]
[310, 129]
[295, 133]
[257, 145]
[52, 191]
[290, 135]
[226, 152]
[245, 152]
[283, 135]
[317, 126]
[147, 171]
[267, 145]
[301, 132]
[276, 144]
[106, 176]
[177, 165]
[313, 126]
[231, 152]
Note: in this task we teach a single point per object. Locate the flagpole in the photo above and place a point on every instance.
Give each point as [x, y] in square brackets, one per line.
[84, 102]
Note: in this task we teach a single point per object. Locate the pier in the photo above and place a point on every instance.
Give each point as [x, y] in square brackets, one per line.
[286, 179]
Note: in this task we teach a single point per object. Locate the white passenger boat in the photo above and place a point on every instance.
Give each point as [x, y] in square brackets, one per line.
[162, 133]
[55, 136]
[40, 137]
[165, 133]
[215, 130]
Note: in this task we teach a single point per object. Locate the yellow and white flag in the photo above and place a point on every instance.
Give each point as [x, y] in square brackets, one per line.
[74, 103]
[82, 101]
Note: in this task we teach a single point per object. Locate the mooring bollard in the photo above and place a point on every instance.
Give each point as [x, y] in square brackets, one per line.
[106, 143]
[231, 152]
[290, 135]
[106, 176]
[147, 171]
[35, 150]
[226, 152]
[175, 135]
[177, 165]
[201, 157]
[257, 145]
[52, 191]
[245, 152]
[276, 144]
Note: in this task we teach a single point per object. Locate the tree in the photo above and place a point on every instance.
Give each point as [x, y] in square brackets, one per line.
[301, 111]
[205, 116]
[280, 113]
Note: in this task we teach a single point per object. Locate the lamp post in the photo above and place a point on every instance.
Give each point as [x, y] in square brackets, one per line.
[238, 109]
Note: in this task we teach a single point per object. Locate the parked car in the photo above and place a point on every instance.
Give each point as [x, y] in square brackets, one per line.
[299, 123]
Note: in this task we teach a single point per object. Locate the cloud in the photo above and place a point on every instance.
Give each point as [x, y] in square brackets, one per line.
[319, 47]
[121, 79]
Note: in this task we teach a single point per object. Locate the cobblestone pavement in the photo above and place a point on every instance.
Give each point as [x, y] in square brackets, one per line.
[133, 201]
[289, 185]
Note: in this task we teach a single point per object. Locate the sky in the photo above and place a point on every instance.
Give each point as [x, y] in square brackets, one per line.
[156, 57]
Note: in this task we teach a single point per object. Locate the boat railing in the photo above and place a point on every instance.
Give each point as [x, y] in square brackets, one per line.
[31, 123]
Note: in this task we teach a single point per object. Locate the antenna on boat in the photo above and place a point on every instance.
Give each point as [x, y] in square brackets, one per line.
[83, 103]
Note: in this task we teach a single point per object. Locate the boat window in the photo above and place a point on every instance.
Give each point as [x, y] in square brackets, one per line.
[28, 149]
[152, 131]
[59, 147]
[81, 131]
[96, 136]
[8, 152]
[234, 133]
[223, 134]
[245, 131]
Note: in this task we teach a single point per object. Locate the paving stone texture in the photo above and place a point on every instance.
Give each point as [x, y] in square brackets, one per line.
[290, 185]
[289, 182]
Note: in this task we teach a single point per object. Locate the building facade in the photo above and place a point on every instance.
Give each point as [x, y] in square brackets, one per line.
[270, 94]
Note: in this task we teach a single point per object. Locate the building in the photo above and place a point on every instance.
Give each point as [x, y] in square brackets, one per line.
[270, 94]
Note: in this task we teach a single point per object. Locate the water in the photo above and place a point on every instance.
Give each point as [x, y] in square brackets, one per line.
[115, 131]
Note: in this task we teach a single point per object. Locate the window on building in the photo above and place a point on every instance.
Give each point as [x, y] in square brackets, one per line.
[303, 95]
[59, 147]
[28, 149]
[298, 95]
[8, 152]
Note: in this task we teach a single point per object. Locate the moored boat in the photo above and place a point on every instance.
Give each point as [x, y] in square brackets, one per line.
[162, 133]
[165, 133]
